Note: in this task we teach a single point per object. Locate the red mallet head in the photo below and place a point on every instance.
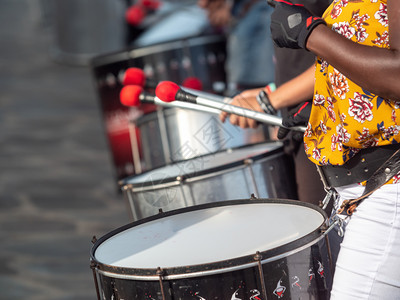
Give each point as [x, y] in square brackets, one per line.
[129, 95]
[193, 83]
[135, 15]
[167, 90]
[150, 4]
[134, 76]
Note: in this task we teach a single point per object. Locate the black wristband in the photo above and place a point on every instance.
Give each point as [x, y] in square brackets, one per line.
[263, 100]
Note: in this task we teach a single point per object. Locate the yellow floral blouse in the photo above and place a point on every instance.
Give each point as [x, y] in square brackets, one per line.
[345, 117]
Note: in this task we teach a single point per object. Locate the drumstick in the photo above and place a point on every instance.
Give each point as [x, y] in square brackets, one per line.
[169, 91]
[134, 95]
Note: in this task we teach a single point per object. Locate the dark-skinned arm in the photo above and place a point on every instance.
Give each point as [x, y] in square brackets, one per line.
[375, 69]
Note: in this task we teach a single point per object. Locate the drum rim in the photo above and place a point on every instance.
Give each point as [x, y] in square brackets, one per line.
[126, 185]
[215, 267]
[129, 53]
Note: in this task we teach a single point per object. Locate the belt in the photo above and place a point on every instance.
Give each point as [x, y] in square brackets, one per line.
[359, 168]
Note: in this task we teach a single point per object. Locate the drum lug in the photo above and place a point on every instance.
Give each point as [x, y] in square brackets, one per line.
[93, 264]
[253, 197]
[248, 161]
[126, 187]
[94, 239]
[258, 258]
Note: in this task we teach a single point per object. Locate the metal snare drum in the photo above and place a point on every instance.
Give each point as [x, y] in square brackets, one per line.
[172, 135]
[242, 249]
[262, 169]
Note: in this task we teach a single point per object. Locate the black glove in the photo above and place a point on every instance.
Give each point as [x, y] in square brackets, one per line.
[297, 116]
[291, 24]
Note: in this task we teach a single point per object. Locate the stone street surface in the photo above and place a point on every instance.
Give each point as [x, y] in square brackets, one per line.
[57, 183]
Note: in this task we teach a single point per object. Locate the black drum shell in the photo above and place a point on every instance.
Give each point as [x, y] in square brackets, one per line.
[298, 270]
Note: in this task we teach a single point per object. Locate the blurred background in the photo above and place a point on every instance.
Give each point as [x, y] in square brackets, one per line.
[65, 138]
[57, 186]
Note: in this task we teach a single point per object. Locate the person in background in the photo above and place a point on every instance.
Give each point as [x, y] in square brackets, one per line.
[249, 45]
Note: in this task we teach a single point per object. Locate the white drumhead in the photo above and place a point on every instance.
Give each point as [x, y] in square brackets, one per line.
[208, 235]
[202, 163]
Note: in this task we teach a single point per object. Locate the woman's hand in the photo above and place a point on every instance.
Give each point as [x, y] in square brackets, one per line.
[248, 100]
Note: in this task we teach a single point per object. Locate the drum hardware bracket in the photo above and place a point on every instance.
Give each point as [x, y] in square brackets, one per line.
[181, 179]
[94, 239]
[93, 266]
[327, 187]
[164, 134]
[249, 162]
[115, 291]
[328, 248]
[338, 221]
[126, 187]
[330, 194]
[325, 228]
[160, 211]
[160, 274]
[258, 258]
[253, 197]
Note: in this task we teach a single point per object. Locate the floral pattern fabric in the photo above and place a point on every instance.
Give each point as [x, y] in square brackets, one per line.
[345, 117]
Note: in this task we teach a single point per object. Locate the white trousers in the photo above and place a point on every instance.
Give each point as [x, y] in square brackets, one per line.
[368, 265]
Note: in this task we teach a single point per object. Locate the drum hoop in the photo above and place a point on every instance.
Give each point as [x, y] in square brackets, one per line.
[190, 177]
[156, 277]
[152, 187]
[178, 181]
[117, 57]
[245, 163]
[211, 268]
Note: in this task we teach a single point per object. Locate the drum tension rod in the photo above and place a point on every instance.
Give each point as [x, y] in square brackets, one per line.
[160, 273]
[93, 266]
[115, 291]
[258, 258]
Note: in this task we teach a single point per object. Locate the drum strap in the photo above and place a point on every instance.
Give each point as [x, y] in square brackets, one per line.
[359, 168]
[375, 165]
[381, 176]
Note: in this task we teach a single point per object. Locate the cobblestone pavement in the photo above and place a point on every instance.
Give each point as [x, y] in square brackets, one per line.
[57, 185]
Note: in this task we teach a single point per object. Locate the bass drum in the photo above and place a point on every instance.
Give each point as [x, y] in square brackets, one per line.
[242, 249]
[172, 135]
[262, 169]
[199, 58]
